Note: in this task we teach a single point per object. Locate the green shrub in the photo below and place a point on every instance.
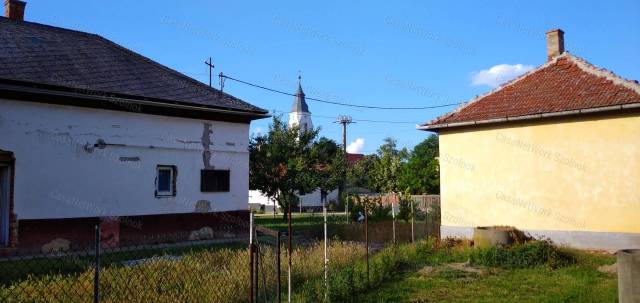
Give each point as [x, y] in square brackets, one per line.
[530, 254]
[404, 207]
[376, 209]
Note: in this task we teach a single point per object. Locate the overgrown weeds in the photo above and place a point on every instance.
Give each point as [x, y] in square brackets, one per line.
[527, 255]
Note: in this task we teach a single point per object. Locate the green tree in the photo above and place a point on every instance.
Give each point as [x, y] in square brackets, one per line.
[329, 162]
[359, 174]
[386, 170]
[279, 163]
[421, 172]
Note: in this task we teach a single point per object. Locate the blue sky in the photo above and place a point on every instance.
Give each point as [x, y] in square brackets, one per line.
[383, 53]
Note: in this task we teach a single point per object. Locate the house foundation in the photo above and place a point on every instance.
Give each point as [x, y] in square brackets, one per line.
[128, 230]
[610, 241]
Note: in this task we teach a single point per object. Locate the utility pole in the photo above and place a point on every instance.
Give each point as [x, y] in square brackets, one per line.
[211, 66]
[344, 120]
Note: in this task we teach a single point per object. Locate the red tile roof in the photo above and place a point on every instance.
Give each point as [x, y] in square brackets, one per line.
[566, 84]
[352, 159]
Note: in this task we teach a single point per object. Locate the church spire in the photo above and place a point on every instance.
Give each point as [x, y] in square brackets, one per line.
[300, 104]
[300, 114]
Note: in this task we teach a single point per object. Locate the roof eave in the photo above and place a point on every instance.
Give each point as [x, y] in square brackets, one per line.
[33, 88]
[440, 126]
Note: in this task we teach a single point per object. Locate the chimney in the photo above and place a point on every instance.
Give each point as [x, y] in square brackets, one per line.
[555, 43]
[14, 9]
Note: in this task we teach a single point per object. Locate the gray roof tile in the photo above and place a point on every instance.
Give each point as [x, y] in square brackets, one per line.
[50, 55]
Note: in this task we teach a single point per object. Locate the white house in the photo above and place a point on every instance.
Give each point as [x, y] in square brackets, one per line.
[93, 132]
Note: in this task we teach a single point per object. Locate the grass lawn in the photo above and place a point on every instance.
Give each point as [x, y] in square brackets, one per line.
[580, 282]
[14, 270]
[304, 221]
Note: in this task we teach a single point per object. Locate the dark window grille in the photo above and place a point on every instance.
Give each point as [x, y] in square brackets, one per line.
[214, 180]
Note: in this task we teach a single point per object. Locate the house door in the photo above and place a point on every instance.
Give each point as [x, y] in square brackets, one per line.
[5, 190]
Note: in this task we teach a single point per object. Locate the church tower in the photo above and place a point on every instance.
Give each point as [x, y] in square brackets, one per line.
[300, 114]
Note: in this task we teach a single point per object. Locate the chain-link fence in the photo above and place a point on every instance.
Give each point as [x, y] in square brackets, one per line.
[359, 253]
[266, 266]
[195, 271]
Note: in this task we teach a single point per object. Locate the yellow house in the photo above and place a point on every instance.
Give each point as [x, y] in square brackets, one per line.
[554, 152]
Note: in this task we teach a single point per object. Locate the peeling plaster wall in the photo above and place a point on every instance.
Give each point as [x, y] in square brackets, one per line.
[57, 177]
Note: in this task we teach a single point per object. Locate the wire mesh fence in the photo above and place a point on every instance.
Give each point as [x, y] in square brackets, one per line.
[360, 250]
[357, 257]
[197, 271]
[266, 266]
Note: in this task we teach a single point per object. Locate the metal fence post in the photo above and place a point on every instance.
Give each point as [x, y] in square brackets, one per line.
[412, 216]
[251, 257]
[426, 220]
[393, 215]
[346, 208]
[278, 286]
[326, 256]
[96, 275]
[256, 275]
[289, 238]
[366, 237]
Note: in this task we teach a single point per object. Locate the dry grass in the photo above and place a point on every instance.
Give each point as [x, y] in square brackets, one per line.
[220, 275]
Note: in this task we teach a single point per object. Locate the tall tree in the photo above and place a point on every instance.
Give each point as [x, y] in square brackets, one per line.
[359, 175]
[387, 168]
[329, 164]
[421, 173]
[280, 165]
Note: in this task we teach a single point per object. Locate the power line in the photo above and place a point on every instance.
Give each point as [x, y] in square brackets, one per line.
[356, 120]
[341, 103]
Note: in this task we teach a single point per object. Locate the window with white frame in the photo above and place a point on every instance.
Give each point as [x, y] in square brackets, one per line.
[165, 181]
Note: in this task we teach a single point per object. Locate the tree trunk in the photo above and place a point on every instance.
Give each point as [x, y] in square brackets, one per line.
[284, 204]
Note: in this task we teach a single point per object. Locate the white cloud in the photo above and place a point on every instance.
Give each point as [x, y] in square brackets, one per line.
[498, 74]
[356, 146]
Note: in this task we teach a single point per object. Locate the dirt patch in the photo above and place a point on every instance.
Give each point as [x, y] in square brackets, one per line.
[609, 269]
[426, 271]
[464, 267]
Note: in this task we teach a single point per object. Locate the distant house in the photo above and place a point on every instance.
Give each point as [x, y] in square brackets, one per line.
[555, 152]
[352, 159]
[93, 132]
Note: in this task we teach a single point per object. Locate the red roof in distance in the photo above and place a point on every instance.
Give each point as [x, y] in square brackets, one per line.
[352, 159]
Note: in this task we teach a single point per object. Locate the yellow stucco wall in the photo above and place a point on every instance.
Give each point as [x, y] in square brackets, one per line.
[581, 174]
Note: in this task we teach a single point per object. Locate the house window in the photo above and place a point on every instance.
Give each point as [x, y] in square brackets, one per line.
[213, 180]
[166, 181]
